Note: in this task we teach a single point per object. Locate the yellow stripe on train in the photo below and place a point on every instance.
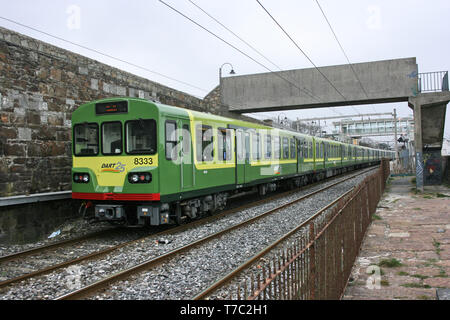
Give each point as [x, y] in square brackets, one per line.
[112, 171]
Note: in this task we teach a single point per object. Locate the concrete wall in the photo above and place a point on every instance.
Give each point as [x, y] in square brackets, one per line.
[433, 121]
[384, 81]
[40, 86]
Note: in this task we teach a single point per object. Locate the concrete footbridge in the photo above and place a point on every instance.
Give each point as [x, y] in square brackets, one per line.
[396, 80]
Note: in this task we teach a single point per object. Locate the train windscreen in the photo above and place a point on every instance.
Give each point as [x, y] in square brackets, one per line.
[141, 136]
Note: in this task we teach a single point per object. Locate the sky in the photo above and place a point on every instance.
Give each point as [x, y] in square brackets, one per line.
[149, 34]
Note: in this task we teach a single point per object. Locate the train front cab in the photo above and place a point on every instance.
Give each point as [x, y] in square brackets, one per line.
[115, 158]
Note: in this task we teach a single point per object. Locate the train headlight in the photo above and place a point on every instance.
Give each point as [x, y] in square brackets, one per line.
[140, 177]
[81, 177]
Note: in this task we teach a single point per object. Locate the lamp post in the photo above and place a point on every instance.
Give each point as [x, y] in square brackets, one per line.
[220, 78]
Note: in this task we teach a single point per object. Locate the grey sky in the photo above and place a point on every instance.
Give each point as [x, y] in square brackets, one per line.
[147, 33]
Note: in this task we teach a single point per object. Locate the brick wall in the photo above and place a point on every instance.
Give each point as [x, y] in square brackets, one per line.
[40, 86]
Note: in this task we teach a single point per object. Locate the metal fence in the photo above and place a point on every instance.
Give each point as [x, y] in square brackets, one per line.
[433, 81]
[318, 263]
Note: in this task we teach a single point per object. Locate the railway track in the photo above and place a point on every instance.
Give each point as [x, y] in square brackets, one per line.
[63, 250]
[96, 254]
[55, 245]
[234, 274]
[155, 260]
[162, 259]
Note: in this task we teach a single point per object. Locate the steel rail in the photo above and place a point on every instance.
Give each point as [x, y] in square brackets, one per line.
[233, 274]
[53, 245]
[101, 253]
[100, 284]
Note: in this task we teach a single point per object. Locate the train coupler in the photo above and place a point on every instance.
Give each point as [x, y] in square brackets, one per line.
[109, 213]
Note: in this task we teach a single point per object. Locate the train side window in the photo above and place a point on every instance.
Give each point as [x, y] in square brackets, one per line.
[268, 146]
[85, 137]
[307, 152]
[292, 145]
[256, 146]
[285, 148]
[301, 148]
[276, 148]
[171, 140]
[240, 146]
[260, 150]
[310, 151]
[224, 144]
[205, 143]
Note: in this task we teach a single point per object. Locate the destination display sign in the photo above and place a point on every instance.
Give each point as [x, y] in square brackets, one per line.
[111, 107]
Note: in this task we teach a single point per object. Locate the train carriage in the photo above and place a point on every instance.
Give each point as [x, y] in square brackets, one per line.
[145, 163]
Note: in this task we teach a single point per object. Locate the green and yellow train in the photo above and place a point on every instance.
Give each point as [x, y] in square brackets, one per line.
[143, 163]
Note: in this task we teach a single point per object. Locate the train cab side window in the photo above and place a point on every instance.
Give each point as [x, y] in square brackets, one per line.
[112, 138]
[171, 140]
[224, 144]
[85, 139]
[204, 143]
[186, 139]
[140, 136]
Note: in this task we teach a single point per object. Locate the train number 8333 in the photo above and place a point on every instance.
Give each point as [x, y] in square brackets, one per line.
[143, 161]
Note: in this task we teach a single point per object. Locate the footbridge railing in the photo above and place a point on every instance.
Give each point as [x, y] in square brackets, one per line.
[433, 81]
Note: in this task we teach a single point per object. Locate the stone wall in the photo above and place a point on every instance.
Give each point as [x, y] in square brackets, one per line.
[33, 222]
[40, 86]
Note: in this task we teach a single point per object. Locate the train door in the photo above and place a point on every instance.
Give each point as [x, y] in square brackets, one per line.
[300, 151]
[240, 156]
[170, 167]
[186, 155]
[324, 154]
[247, 157]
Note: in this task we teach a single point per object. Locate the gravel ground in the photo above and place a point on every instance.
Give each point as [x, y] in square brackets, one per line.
[187, 274]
